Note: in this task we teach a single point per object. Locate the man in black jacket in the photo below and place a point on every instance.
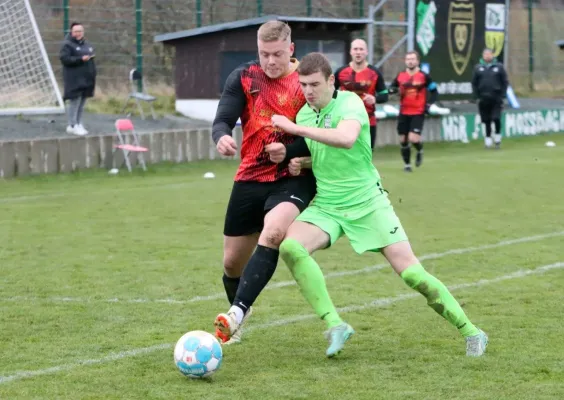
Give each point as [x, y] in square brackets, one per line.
[489, 84]
[79, 76]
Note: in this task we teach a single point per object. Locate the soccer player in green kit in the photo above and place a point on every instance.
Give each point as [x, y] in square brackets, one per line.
[350, 201]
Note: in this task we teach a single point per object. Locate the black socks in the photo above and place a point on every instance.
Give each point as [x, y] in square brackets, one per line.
[256, 276]
[406, 153]
[230, 285]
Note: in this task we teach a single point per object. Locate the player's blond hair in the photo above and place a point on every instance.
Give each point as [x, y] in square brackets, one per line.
[274, 31]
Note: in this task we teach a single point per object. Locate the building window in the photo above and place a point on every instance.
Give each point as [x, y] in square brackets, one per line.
[334, 50]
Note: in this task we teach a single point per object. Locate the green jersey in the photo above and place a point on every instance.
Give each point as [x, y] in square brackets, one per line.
[346, 178]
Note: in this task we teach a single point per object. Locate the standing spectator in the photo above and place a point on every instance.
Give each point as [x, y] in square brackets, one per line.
[489, 84]
[79, 76]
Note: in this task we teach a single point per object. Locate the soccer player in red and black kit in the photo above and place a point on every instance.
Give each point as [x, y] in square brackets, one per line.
[417, 92]
[265, 198]
[365, 80]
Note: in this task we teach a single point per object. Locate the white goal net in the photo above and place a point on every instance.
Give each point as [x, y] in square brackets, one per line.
[27, 82]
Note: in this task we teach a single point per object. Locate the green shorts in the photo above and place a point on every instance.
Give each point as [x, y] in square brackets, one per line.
[373, 230]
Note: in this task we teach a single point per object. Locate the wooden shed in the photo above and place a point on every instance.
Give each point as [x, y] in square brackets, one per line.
[206, 56]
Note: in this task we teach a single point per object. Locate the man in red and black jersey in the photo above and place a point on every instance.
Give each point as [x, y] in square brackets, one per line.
[365, 80]
[265, 198]
[417, 92]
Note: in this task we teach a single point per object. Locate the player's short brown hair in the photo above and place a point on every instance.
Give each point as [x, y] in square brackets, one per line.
[315, 62]
[414, 53]
[273, 31]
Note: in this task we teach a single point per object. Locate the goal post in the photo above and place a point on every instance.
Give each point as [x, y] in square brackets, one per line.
[27, 82]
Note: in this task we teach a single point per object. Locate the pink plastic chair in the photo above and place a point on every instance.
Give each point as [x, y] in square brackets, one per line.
[124, 128]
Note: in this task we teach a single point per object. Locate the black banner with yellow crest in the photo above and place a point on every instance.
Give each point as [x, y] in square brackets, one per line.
[450, 36]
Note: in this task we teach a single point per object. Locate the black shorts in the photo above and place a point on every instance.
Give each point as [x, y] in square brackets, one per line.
[490, 109]
[410, 123]
[250, 201]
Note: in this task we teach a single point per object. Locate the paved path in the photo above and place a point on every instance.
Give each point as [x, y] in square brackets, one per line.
[54, 126]
[31, 127]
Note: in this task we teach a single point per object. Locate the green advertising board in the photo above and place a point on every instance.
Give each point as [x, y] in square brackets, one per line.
[467, 127]
[450, 36]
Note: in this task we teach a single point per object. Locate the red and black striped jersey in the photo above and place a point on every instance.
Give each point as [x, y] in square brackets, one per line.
[413, 91]
[367, 81]
[251, 95]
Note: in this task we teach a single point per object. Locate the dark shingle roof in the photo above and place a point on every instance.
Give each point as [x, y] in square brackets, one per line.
[165, 37]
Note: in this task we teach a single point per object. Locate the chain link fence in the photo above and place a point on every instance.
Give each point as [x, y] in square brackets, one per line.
[535, 62]
[111, 26]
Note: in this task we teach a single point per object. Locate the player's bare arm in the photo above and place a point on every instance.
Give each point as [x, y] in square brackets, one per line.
[344, 136]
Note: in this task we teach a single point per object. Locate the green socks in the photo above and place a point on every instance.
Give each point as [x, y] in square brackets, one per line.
[310, 279]
[438, 298]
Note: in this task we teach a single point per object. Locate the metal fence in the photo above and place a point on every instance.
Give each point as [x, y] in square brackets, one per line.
[122, 32]
[535, 62]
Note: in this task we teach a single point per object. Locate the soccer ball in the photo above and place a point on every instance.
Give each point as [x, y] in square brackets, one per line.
[197, 354]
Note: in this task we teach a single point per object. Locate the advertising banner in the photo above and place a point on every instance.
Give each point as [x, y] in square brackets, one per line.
[467, 127]
[450, 36]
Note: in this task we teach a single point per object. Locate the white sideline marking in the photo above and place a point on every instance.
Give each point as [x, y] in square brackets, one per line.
[381, 302]
[60, 368]
[278, 285]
